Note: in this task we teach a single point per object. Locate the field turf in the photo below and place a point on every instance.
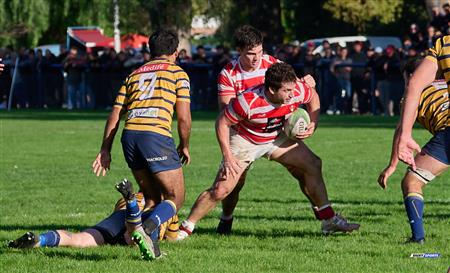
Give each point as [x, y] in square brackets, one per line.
[46, 183]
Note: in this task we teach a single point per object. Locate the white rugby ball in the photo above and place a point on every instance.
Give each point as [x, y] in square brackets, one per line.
[297, 123]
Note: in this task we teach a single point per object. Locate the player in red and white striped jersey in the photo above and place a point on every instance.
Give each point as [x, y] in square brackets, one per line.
[251, 127]
[237, 76]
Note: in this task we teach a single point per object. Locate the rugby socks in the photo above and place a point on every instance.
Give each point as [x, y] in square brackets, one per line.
[324, 212]
[133, 213]
[160, 214]
[49, 239]
[414, 209]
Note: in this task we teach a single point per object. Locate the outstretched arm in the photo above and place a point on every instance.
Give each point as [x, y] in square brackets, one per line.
[103, 160]
[422, 77]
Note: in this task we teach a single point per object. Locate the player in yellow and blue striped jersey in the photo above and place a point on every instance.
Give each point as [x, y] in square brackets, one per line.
[432, 114]
[148, 99]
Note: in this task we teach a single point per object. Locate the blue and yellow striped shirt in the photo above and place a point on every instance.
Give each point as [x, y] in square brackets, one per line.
[149, 95]
[432, 113]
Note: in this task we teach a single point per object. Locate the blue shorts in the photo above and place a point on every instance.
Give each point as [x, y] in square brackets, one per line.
[439, 146]
[149, 150]
[113, 227]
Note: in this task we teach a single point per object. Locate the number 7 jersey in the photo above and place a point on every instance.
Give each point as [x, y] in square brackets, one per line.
[149, 94]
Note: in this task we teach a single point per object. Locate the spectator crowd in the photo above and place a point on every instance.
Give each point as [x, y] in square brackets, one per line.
[354, 79]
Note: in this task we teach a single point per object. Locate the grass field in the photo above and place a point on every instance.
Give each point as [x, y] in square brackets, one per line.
[46, 183]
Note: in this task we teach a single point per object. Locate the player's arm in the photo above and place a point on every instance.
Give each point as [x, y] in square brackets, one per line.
[223, 125]
[422, 77]
[103, 160]
[313, 108]
[224, 101]
[184, 130]
[393, 162]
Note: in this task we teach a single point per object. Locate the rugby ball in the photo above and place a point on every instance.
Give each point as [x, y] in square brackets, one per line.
[297, 123]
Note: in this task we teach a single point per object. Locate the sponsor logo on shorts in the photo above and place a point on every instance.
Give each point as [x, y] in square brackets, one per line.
[158, 158]
[143, 113]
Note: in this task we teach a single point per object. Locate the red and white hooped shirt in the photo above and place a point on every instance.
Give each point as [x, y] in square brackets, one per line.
[233, 80]
[258, 120]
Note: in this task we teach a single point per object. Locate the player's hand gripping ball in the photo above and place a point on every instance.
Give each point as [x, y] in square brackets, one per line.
[297, 123]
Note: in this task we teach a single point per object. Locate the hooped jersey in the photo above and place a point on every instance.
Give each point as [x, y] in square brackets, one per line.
[432, 112]
[149, 95]
[440, 53]
[258, 120]
[233, 80]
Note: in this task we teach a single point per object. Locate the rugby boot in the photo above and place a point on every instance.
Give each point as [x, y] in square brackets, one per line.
[338, 223]
[28, 240]
[415, 241]
[149, 249]
[126, 189]
[224, 226]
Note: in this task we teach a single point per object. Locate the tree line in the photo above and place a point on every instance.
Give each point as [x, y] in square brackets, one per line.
[34, 22]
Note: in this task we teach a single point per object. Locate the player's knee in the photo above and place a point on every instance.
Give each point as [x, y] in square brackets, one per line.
[219, 193]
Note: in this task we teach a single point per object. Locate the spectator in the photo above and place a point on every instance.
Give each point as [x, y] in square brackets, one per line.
[74, 65]
[183, 57]
[359, 99]
[437, 19]
[341, 68]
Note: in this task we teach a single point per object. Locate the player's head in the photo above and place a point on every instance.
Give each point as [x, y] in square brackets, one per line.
[249, 45]
[280, 82]
[409, 68]
[163, 42]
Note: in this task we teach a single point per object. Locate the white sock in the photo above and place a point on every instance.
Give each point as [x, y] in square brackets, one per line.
[188, 225]
[226, 218]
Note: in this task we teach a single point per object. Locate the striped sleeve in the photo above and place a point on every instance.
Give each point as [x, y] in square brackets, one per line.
[237, 110]
[435, 51]
[121, 98]
[225, 85]
[183, 87]
[305, 92]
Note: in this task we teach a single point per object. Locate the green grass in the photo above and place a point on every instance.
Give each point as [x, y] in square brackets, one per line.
[46, 183]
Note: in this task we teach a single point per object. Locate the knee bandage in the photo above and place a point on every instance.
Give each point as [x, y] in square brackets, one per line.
[423, 175]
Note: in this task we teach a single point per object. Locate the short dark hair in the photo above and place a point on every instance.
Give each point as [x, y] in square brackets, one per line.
[247, 37]
[278, 74]
[163, 42]
[411, 65]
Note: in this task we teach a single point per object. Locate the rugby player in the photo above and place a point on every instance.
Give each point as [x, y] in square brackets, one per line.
[111, 230]
[237, 76]
[148, 98]
[437, 59]
[432, 114]
[250, 127]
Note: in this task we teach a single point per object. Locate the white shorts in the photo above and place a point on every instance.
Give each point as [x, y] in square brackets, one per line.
[247, 152]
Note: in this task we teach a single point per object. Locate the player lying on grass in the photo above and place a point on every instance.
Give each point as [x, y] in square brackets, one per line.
[431, 161]
[250, 127]
[112, 230]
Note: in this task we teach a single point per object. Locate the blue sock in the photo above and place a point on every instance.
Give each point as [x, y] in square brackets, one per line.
[162, 213]
[50, 239]
[133, 213]
[414, 208]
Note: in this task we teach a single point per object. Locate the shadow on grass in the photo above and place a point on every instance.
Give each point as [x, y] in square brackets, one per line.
[67, 253]
[262, 234]
[43, 227]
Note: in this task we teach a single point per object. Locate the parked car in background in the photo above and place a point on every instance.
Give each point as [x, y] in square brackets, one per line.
[369, 41]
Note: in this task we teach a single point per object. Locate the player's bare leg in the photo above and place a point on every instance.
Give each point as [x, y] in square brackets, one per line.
[302, 162]
[207, 200]
[86, 238]
[228, 205]
[427, 168]
[151, 191]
